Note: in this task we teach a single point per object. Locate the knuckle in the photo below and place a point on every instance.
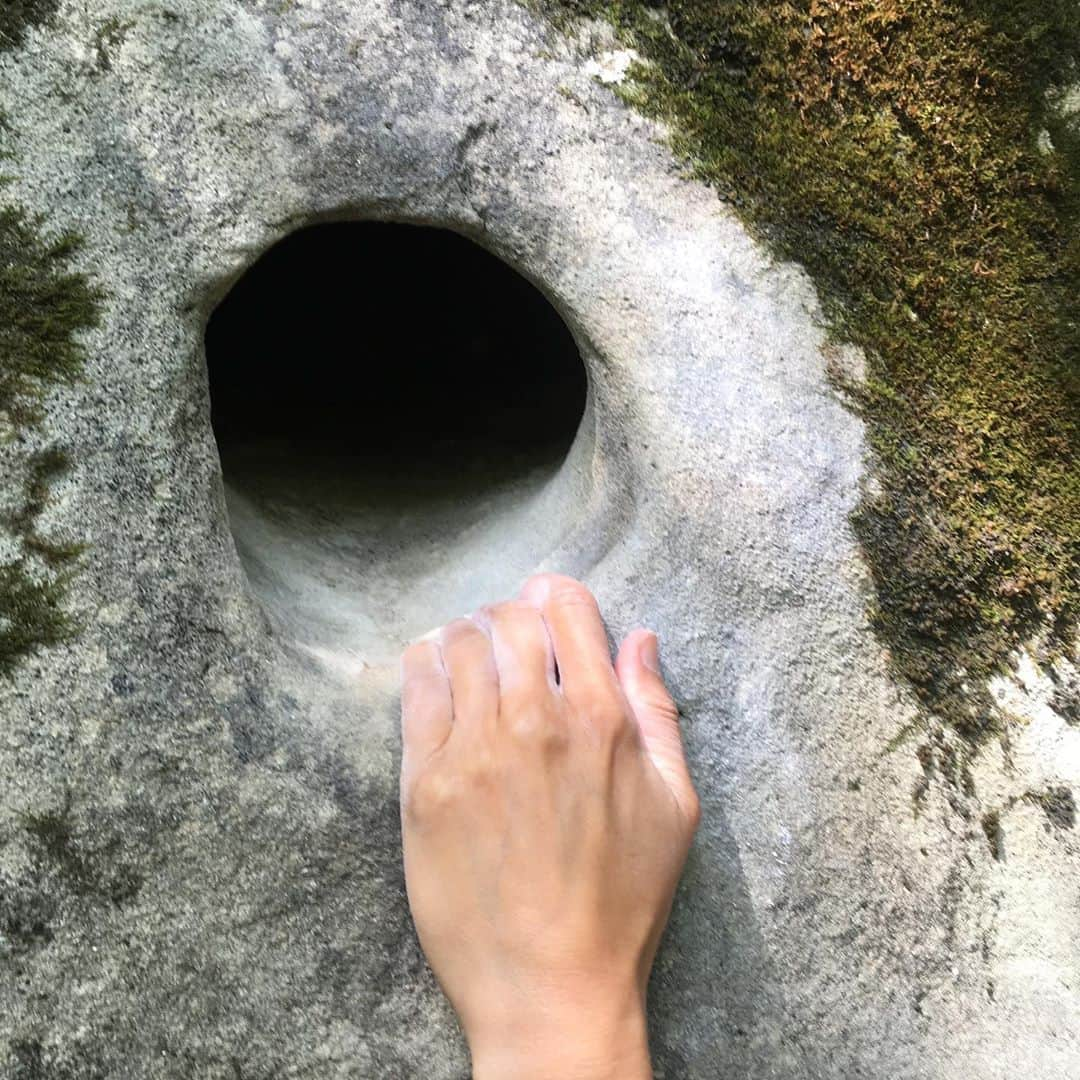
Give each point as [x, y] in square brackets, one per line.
[606, 716]
[535, 727]
[432, 793]
[464, 641]
[442, 791]
[525, 722]
[479, 774]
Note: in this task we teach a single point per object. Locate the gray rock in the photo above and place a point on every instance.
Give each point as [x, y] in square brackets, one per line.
[199, 865]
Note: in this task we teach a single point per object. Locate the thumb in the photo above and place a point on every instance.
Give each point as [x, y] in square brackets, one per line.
[638, 669]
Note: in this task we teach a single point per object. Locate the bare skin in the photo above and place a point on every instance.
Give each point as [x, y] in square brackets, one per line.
[546, 820]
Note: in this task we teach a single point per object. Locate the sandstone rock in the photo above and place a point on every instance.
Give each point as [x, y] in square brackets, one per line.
[199, 865]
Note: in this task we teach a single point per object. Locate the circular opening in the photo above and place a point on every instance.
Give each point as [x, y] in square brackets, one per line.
[391, 404]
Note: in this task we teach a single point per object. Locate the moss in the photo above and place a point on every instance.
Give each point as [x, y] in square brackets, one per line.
[110, 35]
[892, 149]
[25, 920]
[995, 834]
[1057, 803]
[43, 468]
[87, 870]
[921, 789]
[44, 305]
[1065, 700]
[17, 15]
[31, 612]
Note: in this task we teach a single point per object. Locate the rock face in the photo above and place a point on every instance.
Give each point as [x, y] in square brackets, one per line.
[199, 864]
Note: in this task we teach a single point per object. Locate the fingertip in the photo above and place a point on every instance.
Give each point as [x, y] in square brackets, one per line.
[421, 655]
[536, 590]
[482, 618]
[639, 649]
[523, 650]
[649, 651]
[571, 612]
[638, 669]
[544, 590]
[657, 714]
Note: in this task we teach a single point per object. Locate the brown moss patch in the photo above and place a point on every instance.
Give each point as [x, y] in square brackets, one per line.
[895, 150]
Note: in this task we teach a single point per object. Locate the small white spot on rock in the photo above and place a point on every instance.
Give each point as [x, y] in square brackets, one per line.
[326, 133]
[611, 67]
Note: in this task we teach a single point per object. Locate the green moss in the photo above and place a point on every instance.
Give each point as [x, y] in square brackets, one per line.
[1065, 699]
[1057, 803]
[44, 306]
[892, 149]
[87, 869]
[43, 469]
[17, 15]
[110, 35]
[30, 612]
[995, 834]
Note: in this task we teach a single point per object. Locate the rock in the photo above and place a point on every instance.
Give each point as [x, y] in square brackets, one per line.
[199, 870]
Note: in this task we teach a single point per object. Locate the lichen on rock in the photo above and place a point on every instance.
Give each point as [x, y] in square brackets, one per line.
[894, 150]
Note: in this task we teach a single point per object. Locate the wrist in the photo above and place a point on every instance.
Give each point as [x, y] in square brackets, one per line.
[568, 1037]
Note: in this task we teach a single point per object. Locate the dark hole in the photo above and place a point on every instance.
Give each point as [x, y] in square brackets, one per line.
[403, 346]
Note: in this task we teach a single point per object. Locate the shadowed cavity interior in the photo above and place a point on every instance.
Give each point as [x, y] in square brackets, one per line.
[397, 413]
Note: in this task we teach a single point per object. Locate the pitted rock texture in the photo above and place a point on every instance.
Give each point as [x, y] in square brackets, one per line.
[199, 864]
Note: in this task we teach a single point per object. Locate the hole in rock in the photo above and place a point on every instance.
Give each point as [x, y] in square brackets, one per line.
[397, 413]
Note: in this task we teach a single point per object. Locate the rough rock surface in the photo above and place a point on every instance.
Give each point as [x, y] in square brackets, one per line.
[199, 868]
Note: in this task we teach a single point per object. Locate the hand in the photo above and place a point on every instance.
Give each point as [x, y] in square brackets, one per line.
[546, 812]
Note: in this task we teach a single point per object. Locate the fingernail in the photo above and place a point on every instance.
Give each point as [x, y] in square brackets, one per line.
[650, 653]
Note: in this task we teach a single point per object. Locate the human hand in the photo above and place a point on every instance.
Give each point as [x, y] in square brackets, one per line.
[545, 821]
